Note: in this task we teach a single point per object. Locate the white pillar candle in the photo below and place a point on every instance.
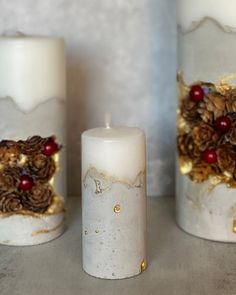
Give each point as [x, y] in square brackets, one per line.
[32, 102]
[114, 202]
[206, 49]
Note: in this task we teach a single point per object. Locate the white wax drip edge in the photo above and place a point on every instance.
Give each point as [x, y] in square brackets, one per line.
[192, 12]
[198, 23]
[32, 106]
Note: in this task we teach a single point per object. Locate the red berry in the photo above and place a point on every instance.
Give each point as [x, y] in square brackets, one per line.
[50, 148]
[223, 124]
[26, 183]
[209, 156]
[196, 93]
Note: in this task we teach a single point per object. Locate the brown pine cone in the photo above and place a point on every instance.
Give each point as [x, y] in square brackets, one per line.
[33, 145]
[231, 100]
[189, 111]
[231, 136]
[214, 103]
[206, 116]
[10, 202]
[11, 177]
[41, 168]
[204, 136]
[226, 157]
[9, 153]
[38, 199]
[200, 171]
[186, 146]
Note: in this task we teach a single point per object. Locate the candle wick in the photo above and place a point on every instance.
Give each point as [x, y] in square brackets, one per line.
[108, 120]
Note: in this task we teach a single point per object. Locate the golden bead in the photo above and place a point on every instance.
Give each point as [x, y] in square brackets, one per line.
[116, 208]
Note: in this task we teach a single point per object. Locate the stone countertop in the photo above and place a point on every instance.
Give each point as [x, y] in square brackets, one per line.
[178, 263]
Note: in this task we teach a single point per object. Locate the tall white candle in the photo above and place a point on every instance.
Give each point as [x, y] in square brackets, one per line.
[114, 202]
[32, 102]
[206, 49]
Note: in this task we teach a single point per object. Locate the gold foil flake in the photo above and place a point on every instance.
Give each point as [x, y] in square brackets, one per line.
[185, 166]
[117, 208]
[143, 265]
[22, 160]
[234, 226]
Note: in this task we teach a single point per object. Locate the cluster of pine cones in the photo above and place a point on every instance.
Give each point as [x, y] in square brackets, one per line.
[25, 173]
[207, 135]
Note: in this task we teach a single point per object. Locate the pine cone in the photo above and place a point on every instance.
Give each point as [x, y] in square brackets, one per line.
[9, 152]
[231, 136]
[32, 146]
[231, 100]
[189, 111]
[10, 202]
[206, 116]
[214, 103]
[204, 136]
[226, 157]
[41, 168]
[11, 177]
[200, 172]
[186, 146]
[38, 199]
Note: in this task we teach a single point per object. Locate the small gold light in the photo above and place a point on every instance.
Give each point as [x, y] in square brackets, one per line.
[116, 208]
[143, 265]
[234, 226]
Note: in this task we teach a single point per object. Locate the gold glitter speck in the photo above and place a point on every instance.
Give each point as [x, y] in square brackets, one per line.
[234, 226]
[143, 265]
[116, 208]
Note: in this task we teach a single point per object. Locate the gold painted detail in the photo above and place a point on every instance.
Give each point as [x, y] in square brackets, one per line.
[143, 265]
[103, 181]
[234, 226]
[117, 208]
[46, 231]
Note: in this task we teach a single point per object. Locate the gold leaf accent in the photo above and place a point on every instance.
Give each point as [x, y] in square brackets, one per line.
[234, 226]
[143, 265]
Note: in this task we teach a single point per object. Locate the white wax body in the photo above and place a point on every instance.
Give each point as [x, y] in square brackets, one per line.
[191, 12]
[32, 70]
[32, 102]
[206, 53]
[113, 202]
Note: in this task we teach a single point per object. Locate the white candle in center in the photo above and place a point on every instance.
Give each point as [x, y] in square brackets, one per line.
[114, 202]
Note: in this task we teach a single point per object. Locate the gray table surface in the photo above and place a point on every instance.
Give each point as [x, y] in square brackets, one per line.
[178, 263]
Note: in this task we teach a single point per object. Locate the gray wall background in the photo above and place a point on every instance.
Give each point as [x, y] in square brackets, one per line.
[120, 58]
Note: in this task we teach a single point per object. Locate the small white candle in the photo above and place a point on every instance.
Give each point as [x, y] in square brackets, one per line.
[114, 202]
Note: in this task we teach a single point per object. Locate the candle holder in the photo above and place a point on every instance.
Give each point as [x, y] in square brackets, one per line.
[113, 202]
[32, 139]
[206, 116]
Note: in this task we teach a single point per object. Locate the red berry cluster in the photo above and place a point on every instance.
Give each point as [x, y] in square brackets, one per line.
[222, 124]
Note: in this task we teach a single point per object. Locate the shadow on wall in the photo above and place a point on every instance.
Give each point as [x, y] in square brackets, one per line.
[82, 78]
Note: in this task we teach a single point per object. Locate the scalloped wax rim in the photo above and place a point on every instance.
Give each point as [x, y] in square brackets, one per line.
[31, 103]
[192, 11]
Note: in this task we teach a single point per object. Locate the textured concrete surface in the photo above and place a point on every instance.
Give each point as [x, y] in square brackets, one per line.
[179, 264]
[121, 58]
